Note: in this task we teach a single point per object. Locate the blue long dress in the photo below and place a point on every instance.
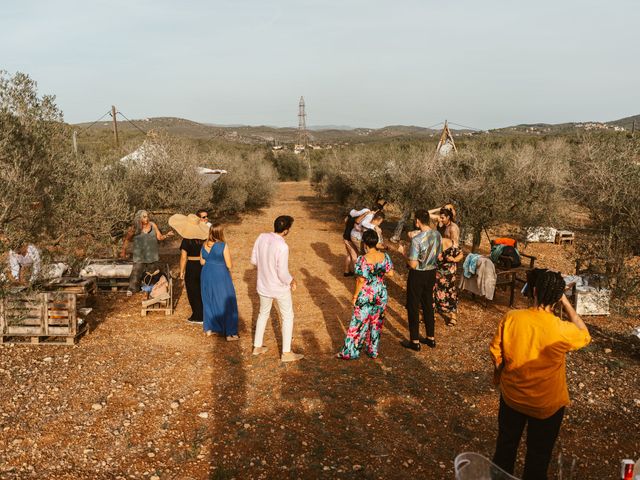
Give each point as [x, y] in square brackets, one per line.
[218, 294]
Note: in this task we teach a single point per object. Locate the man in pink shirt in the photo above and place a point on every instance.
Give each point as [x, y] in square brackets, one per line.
[271, 256]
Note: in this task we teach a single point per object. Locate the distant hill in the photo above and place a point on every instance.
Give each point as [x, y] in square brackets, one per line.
[627, 122]
[334, 134]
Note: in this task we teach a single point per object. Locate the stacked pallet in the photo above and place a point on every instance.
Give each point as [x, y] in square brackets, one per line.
[84, 288]
[40, 318]
[111, 274]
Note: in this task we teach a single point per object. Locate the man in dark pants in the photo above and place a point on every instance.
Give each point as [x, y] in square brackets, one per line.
[423, 253]
[528, 353]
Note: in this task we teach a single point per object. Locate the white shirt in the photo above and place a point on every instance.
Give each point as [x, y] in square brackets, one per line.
[271, 256]
[30, 259]
[365, 224]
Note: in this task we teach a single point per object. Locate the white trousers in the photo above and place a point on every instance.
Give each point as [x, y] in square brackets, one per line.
[285, 308]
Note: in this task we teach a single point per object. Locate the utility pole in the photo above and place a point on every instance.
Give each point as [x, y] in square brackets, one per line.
[75, 143]
[115, 125]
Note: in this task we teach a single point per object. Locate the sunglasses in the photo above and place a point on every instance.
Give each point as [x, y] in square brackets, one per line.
[205, 217]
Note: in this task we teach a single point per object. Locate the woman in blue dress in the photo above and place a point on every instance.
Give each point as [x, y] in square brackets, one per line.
[218, 294]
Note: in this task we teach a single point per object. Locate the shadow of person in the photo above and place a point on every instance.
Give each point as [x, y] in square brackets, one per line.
[333, 310]
[335, 262]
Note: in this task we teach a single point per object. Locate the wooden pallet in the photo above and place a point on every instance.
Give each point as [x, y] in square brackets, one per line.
[49, 317]
[565, 236]
[109, 284]
[84, 288]
[119, 284]
[45, 339]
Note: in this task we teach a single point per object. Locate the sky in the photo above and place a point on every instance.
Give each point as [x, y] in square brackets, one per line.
[484, 64]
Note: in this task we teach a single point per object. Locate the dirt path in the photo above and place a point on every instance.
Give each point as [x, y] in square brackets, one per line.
[154, 398]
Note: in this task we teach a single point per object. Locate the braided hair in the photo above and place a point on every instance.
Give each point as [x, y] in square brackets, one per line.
[545, 285]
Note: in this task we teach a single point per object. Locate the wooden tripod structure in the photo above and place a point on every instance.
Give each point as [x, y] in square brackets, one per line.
[445, 139]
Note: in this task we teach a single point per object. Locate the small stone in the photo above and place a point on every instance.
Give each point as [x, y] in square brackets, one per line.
[326, 468]
[154, 477]
[247, 425]
[203, 415]
[96, 406]
[357, 468]
[151, 454]
[304, 444]
[174, 405]
[607, 350]
[581, 385]
[405, 464]
[47, 359]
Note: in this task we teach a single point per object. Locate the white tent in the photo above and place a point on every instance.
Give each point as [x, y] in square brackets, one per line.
[148, 152]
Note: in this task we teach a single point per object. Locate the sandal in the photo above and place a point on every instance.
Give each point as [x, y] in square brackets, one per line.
[233, 338]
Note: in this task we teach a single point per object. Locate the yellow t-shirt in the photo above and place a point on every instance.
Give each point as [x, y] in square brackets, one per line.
[531, 344]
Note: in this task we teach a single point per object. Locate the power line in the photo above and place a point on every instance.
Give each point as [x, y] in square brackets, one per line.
[465, 126]
[87, 128]
[131, 122]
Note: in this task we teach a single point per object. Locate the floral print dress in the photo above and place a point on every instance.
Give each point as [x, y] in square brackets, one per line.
[368, 312]
[445, 292]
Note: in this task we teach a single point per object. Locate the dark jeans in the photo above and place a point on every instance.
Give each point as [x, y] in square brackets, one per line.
[138, 270]
[541, 437]
[192, 285]
[420, 295]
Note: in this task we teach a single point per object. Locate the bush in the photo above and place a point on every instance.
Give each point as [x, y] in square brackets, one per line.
[490, 185]
[290, 167]
[605, 180]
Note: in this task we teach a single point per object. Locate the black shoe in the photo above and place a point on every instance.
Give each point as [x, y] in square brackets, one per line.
[348, 274]
[429, 342]
[410, 345]
[191, 320]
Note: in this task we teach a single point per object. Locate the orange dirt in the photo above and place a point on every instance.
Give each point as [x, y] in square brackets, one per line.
[129, 400]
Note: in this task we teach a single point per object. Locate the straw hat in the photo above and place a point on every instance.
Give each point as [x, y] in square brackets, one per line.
[189, 226]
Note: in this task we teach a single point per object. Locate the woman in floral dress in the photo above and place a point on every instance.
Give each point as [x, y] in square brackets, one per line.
[369, 300]
[445, 291]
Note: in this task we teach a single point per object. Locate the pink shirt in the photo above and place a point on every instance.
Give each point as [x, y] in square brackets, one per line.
[271, 256]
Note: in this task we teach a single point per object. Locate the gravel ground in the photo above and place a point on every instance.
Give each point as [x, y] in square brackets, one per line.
[153, 398]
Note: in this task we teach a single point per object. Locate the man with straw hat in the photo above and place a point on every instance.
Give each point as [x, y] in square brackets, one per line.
[193, 232]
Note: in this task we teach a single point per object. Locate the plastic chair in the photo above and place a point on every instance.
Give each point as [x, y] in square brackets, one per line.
[473, 466]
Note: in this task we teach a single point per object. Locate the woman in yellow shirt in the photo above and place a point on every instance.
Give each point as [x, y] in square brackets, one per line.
[528, 352]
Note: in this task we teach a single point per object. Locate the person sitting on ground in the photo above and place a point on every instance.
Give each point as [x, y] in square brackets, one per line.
[25, 257]
[528, 353]
[369, 300]
[145, 235]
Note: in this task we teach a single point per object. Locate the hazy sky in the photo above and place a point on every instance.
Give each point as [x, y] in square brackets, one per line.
[486, 63]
